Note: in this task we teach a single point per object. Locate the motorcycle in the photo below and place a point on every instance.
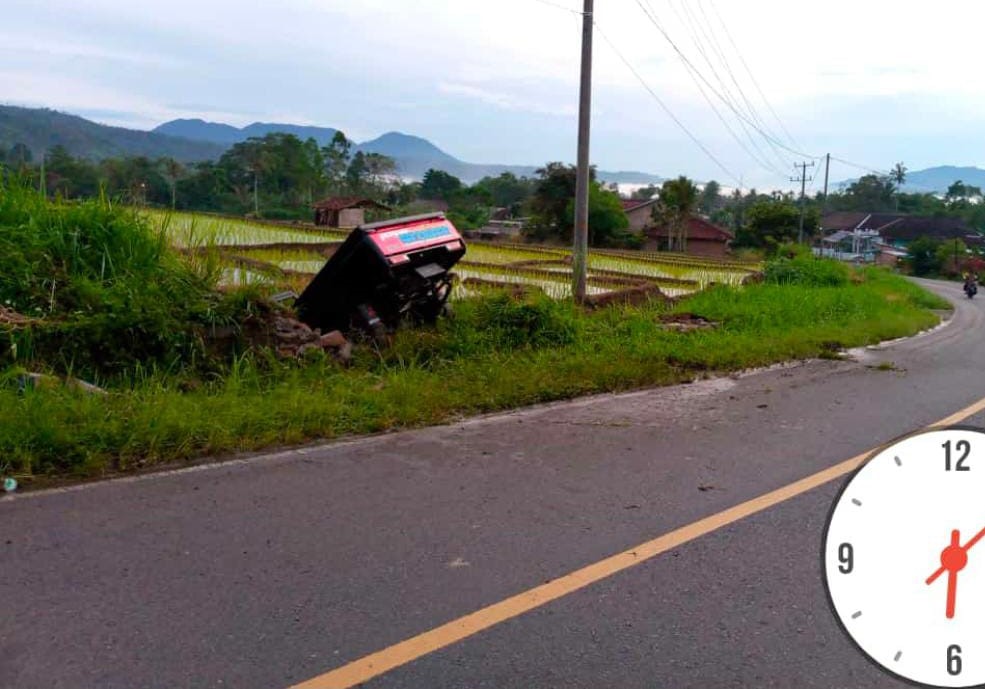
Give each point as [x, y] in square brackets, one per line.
[971, 289]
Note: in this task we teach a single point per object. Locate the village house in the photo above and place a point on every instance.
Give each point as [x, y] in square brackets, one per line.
[704, 238]
[639, 212]
[884, 237]
[344, 211]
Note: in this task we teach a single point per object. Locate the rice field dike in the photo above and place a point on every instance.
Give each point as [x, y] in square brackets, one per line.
[160, 311]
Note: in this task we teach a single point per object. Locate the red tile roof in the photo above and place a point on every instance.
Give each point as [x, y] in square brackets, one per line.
[338, 203]
[633, 204]
[697, 228]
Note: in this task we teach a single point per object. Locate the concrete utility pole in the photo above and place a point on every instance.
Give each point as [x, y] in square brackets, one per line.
[803, 179]
[580, 249]
[827, 168]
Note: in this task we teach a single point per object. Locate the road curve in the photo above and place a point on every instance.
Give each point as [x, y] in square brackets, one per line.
[261, 574]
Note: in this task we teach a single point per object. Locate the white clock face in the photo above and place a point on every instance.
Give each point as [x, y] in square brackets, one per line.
[904, 558]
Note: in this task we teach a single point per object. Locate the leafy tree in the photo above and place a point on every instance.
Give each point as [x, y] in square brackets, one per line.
[961, 192]
[438, 184]
[69, 177]
[356, 173]
[335, 159]
[923, 257]
[869, 193]
[173, 171]
[677, 203]
[19, 156]
[555, 188]
[950, 255]
[607, 221]
[711, 198]
[379, 171]
[507, 190]
[771, 223]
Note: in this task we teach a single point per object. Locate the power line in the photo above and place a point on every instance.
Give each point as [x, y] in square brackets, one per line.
[693, 26]
[738, 114]
[712, 36]
[865, 168]
[765, 164]
[558, 6]
[752, 77]
[666, 109]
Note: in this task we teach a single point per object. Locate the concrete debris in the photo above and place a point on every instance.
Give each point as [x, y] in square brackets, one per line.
[11, 317]
[43, 381]
[686, 322]
[294, 338]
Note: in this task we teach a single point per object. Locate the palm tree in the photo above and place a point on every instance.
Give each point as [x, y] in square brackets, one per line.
[677, 202]
[897, 176]
[173, 171]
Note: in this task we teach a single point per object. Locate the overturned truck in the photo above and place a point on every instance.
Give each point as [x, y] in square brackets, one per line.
[383, 274]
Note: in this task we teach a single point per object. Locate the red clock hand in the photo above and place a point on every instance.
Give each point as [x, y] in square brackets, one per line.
[952, 593]
[953, 559]
[966, 547]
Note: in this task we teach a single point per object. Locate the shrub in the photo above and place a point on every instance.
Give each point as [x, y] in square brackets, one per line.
[811, 272]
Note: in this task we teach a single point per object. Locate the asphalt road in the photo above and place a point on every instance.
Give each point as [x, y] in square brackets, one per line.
[262, 573]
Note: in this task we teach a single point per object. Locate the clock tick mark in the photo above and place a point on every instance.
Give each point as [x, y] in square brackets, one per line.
[857, 615]
[856, 501]
[899, 462]
[899, 654]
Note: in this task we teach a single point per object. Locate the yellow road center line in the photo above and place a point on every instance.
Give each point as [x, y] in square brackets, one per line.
[375, 664]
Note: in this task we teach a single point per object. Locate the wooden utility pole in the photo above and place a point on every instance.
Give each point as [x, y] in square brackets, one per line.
[803, 179]
[580, 249]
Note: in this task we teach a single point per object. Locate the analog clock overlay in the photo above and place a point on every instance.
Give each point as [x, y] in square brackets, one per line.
[904, 558]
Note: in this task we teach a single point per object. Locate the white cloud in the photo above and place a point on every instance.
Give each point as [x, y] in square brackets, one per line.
[506, 101]
[870, 79]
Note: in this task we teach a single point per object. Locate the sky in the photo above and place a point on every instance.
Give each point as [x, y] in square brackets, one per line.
[496, 81]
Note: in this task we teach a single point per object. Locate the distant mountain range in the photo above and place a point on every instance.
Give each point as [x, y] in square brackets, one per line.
[190, 140]
[414, 155]
[936, 180]
[42, 129]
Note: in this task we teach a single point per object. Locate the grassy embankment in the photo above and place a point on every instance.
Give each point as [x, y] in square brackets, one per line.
[173, 399]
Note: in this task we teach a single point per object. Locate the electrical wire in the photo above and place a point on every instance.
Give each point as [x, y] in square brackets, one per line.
[758, 125]
[560, 7]
[666, 109]
[761, 162]
[738, 114]
[693, 27]
[712, 37]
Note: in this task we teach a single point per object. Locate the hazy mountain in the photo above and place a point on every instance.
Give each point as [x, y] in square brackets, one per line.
[194, 139]
[936, 180]
[42, 129]
[223, 134]
[414, 156]
[227, 135]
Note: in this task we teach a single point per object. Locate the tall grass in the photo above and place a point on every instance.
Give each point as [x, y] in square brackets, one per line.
[498, 352]
[106, 290]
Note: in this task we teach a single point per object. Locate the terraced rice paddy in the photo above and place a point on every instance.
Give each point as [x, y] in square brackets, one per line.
[189, 230]
[290, 255]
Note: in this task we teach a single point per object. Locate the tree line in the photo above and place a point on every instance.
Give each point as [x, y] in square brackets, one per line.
[279, 176]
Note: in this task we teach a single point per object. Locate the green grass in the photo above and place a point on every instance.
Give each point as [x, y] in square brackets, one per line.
[496, 353]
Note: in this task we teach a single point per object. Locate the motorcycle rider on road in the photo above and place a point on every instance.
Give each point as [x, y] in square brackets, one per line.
[970, 284]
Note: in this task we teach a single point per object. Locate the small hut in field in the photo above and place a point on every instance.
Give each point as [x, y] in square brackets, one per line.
[344, 211]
